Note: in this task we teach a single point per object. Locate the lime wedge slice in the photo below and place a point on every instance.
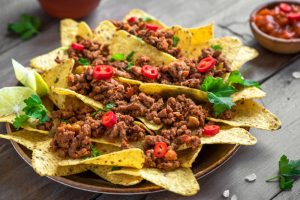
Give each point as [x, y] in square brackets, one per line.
[12, 99]
[30, 78]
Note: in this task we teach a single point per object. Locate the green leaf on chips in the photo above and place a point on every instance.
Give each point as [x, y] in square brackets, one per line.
[84, 61]
[117, 57]
[175, 40]
[236, 77]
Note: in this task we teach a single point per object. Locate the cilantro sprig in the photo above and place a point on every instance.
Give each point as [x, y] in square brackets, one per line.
[34, 109]
[289, 171]
[175, 40]
[95, 151]
[216, 47]
[147, 19]
[26, 27]
[83, 61]
[129, 60]
[107, 108]
[219, 92]
[117, 57]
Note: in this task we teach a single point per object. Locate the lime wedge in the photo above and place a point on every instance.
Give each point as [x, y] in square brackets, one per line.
[30, 78]
[12, 99]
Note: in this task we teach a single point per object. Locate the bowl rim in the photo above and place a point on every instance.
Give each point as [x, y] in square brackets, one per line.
[119, 191]
[257, 30]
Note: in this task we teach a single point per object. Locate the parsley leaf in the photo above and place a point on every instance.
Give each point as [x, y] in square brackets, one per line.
[118, 56]
[83, 61]
[289, 171]
[95, 151]
[129, 57]
[147, 19]
[26, 27]
[175, 40]
[34, 109]
[107, 107]
[237, 78]
[216, 47]
[19, 121]
[218, 93]
[114, 168]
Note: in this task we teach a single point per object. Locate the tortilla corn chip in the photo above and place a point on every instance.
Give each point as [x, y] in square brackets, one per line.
[248, 113]
[150, 125]
[248, 93]
[104, 32]
[137, 13]
[68, 31]
[84, 31]
[133, 157]
[129, 81]
[202, 34]
[187, 157]
[125, 43]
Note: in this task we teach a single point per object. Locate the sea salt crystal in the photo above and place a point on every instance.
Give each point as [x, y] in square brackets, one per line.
[250, 177]
[234, 197]
[296, 75]
[226, 194]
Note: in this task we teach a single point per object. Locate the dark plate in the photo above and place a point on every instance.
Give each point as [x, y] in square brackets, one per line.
[210, 158]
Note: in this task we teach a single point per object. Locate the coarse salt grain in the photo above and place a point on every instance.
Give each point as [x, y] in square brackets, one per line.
[226, 193]
[234, 197]
[296, 75]
[250, 177]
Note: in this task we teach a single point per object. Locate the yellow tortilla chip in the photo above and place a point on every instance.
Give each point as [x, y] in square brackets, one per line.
[180, 181]
[230, 135]
[26, 138]
[68, 31]
[185, 38]
[9, 118]
[45, 162]
[151, 125]
[188, 156]
[47, 61]
[248, 93]
[125, 43]
[133, 157]
[129, 81]
[58, 77]
[28, 128]
[173, 90]
[137, 13]
[248, 113]
[119, 179]
[144, 126]
[104, 32]
[91, 102]
[84, 31]
[105, 141]
[202, 34]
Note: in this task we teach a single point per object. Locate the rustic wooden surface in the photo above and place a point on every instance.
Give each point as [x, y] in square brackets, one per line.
[18, 180]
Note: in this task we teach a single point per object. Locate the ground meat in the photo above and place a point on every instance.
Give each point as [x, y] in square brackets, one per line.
[162, 39]
[143, 60]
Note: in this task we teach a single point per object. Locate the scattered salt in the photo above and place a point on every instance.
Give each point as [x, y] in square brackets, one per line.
[296, 75]
[226, 194]
[250, 177]
[234, 197]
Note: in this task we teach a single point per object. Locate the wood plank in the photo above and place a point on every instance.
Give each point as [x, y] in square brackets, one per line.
[10, 12]
[19, 181]
[282, 99]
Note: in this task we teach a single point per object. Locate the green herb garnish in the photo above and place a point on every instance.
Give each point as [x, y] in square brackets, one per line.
[114, 168]
[107, 107]
[147, 19]
[129, 66]
[216, 47]
[34, 109]
[118, 56]
[95, 151]
[289, 171]
[175, 40]
[26, 27]
[83, 61]
[129, 57]
[64, 120]
[236, 77]
[130, 62]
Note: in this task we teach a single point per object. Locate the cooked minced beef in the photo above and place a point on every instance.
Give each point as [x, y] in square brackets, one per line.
[161, 39]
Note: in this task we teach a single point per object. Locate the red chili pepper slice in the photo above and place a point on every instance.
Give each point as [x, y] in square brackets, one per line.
[206, 64]
[152, 27]
[131, 20]
[103, 72]
[77, 46]
[109, 119]
[285, 7]
[149, 71]
[160, 149]
[211, 130]
[294, 16]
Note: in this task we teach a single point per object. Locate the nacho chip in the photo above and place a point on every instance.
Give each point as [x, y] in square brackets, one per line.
[188, 156]
[45, 162]
[29, 128]
[84, 31]
[105, 141]
[26, 138]
[185, 38]
[133, 157]
[137, 13]
[104, 32]
[8, 118]
[68, 31]
[119, 179]
[151, 125]
[202, 34]
[55, 79]
[180, 181]
[126, 43]
[248, 93]
[145, 127]
[129, 81]
[47, 61]
[248, 113]
[173, 90]
[91, 102]
[229, 135]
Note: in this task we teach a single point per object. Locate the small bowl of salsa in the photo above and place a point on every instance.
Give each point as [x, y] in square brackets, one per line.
[276, 26]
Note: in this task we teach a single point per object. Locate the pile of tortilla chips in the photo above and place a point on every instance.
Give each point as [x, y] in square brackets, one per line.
[125, 167]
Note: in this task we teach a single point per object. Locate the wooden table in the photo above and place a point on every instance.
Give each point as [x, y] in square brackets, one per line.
[274, 71]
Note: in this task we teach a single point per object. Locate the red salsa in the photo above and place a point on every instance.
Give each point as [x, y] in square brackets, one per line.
[281, 21]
